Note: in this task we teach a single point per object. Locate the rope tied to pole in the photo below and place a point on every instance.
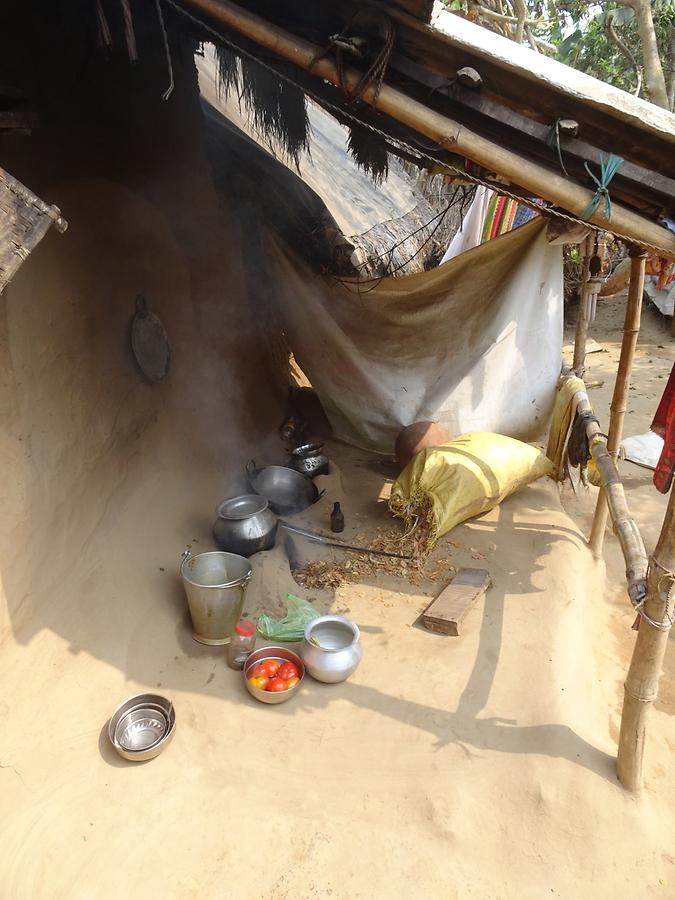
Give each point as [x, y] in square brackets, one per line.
[346, 42]
[665, 587]
[553, 141]
[609, 165]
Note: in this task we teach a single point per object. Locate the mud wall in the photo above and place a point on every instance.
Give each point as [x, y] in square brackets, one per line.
[98, 464]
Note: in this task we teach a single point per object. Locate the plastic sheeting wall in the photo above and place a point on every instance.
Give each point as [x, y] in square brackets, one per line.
[474, 344]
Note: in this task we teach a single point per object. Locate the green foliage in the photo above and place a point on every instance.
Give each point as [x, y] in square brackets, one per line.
[578, 30]
[589, 48]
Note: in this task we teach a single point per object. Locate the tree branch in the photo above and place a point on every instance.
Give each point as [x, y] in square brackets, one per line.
[611, 33]
[501, 17]
[521, 13]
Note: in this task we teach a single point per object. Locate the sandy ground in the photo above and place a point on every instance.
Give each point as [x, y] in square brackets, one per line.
[479, 766]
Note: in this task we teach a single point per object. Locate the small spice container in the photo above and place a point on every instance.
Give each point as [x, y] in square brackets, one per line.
[242, 644]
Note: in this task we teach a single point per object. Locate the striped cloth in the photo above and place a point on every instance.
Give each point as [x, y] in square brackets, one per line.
[504, 214]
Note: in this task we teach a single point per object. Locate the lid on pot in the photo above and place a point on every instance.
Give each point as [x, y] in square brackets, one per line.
[245, 627]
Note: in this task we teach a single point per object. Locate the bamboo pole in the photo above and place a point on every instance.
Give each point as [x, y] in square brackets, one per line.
[581, 335]
[631, 329]
[447, 133]
[627, 533]
[642, 683]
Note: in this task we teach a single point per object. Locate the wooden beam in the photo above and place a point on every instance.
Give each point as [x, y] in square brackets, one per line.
[445, 132]
[492, 108]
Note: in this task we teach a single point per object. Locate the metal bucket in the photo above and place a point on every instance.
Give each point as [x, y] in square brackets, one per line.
[215, 584]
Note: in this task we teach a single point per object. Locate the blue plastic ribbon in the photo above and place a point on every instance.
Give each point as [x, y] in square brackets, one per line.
[608, 168]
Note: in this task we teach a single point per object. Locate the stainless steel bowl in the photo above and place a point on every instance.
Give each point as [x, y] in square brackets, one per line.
[272, 653]
[142, 726]
[286, 490]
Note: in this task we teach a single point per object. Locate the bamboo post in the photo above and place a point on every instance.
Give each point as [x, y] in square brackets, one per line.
[631, 329]
[642, 683]
[627, 532]
[581, 335]
[447, 133]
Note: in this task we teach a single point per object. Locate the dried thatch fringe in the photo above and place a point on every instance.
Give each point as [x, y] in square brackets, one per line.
[369, 152]
[277, 109]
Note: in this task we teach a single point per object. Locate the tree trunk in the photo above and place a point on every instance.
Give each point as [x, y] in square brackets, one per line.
[670, 68]
[655, 81]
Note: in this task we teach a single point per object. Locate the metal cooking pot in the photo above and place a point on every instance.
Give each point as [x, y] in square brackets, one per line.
[309, 459]
[286, 490]
[331, 650]
[245, 525]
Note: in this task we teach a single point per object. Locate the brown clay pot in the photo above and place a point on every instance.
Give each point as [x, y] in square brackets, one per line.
[418, 436]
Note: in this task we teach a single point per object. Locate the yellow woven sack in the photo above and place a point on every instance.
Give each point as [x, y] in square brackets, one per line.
[466, 477]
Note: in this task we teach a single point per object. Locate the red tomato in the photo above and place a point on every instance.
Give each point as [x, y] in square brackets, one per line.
[259, 671]
[270, 667]
[276, 684]
[259, 681]
[292, 681]
[288, 670]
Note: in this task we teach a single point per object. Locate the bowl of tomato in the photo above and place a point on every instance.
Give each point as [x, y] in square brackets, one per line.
[273, 674]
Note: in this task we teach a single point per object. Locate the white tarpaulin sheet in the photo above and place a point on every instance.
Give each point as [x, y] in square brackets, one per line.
[474, 344]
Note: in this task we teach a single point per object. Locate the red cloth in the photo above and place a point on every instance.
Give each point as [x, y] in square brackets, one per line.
[664, 424]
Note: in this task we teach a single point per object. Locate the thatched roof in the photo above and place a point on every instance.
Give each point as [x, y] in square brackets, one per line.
[522, 96]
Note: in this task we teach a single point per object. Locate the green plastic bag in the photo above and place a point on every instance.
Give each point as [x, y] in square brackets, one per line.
[292, 626]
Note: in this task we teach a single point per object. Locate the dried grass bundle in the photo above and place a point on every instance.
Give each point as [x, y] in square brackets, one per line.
[277, 110]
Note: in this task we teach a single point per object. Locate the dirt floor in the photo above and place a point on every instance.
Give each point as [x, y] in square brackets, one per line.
[479, 766]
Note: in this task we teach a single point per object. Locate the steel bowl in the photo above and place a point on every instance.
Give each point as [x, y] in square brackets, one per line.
[272, 653]
[286, 490]
[142, 726]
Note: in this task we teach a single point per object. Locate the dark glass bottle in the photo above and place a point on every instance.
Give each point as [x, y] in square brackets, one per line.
[337, 519]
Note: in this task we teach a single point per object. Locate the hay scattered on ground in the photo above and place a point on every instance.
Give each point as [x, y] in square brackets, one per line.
[352, 567]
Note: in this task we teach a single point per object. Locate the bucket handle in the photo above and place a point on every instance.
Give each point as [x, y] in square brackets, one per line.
[250, 467]
[185, 556]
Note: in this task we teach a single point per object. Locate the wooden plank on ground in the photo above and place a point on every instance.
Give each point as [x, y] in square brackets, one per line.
[445, 614]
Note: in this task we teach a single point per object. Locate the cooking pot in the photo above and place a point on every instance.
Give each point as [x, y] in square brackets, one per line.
[331, 650]
[245, 525]
[310, 460]
[286, 490]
